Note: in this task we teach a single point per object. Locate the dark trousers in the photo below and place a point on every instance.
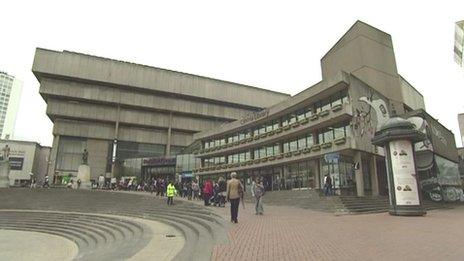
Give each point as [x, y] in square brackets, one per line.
[207, 197]
[170, 200]
[234, 209]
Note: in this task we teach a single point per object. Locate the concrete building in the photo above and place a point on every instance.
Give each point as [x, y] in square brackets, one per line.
[459, 43]
[327, 128]
[10, 95]
[461, 126]
[119, 110]
[26, 157]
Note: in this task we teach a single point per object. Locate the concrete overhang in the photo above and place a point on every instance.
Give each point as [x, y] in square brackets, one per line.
[92, 69]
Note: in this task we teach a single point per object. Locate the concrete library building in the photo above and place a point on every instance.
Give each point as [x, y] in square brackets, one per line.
[327, 129]
[137, 120]
[123, 113]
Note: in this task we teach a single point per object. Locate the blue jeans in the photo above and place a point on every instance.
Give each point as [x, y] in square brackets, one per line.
[328, 190]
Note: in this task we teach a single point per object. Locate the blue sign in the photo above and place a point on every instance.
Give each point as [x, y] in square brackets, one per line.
[332, 157]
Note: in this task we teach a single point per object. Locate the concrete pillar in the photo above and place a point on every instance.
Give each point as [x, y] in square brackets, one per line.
[374, 177]
[53, 156]
[168, 143]
[359, 175]
[317, 173]
[115, 143]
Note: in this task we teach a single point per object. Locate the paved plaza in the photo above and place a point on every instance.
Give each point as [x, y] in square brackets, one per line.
[189, 231]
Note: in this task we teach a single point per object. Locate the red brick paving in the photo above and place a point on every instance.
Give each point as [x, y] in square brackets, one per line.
[286, 233]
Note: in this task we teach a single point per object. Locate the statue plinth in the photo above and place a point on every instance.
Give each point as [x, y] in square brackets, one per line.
[4, 174]
[83, 174]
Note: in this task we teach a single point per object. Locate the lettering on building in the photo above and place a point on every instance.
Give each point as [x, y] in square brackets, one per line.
[254, 116]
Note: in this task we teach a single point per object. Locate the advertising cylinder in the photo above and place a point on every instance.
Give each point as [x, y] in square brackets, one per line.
[398, 136]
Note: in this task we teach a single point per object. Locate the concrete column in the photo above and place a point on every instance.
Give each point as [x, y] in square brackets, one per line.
[115, 143]
[317, 173]
[52, 157]
[359, 175]
[374, 177]
[168, 143]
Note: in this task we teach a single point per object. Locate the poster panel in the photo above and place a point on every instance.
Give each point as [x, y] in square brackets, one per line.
[404, 173]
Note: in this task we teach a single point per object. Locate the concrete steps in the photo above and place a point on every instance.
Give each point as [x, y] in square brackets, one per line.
[97, 237]
[201, 228]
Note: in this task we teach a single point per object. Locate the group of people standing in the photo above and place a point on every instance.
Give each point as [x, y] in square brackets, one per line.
[233, 191]
[214, 193]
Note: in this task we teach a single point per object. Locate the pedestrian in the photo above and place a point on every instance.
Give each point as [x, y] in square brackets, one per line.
[184, 189]
[189, 190]
[258, 193]
[101, 181]
[152, 186]
[195, 190]
[328, 185]
[170, 193]
[46, 182]
[222, 191]
[234, 194]
[78, 184]
[163, 187]
[207, 192]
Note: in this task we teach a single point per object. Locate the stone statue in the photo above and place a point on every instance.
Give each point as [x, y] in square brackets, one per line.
[85, 157]
[6, 153]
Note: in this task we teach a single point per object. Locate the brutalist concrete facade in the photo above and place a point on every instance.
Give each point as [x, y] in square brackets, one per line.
[96, 102]
[327, 128]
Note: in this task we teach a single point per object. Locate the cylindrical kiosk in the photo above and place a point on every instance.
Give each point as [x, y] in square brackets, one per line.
[398, 136]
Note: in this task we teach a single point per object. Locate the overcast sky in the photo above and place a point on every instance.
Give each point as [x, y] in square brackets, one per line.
[267, 44]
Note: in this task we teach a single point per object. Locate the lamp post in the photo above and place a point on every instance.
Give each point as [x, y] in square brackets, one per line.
[398, 136]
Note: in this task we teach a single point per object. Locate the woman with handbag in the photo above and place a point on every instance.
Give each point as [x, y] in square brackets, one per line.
[234, 194]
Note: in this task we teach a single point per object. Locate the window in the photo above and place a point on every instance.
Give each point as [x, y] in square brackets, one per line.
[302, 143]
[308, 112]
[300, 115]
[286, 147]
[293, 145]
[309, 140]
[323, 105]
[339, 132]
[328, 136]
[291, 118]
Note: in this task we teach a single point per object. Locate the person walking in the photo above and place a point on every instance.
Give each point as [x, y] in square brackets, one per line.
[234, 194]
[258, 194]
[328, 185]
[195, 190]
[189, 190]
[222, 192]
[170, 193]
[207, 192]
[46, 182]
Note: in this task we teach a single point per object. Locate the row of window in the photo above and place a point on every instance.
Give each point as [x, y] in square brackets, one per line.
[325, 104]
[299, 143]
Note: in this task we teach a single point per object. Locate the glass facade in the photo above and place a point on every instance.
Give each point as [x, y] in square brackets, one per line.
[342, 173]
[69, 156]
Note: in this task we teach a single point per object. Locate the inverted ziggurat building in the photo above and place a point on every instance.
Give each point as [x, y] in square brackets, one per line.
[327, 128]
[176, 125]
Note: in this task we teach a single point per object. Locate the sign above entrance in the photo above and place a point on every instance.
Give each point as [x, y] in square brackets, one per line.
[254, 116]
[160, 161]
[332, 157]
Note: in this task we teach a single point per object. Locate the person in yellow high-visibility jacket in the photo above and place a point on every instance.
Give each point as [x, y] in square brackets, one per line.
[170, 192]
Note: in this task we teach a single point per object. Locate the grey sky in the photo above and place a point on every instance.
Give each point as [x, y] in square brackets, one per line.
[268, 44]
